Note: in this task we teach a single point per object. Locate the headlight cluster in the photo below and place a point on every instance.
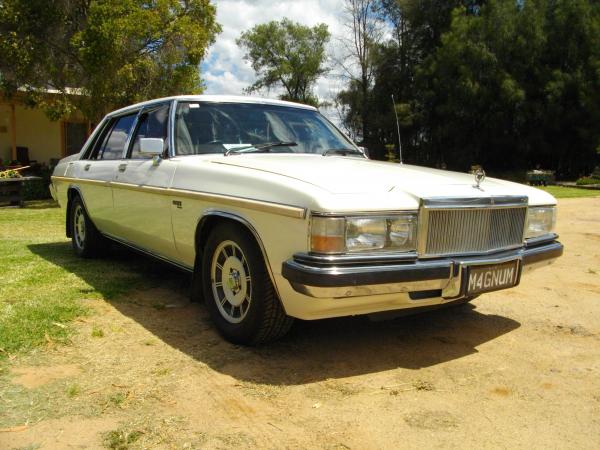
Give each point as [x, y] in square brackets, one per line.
[334, 235]
[540, 220]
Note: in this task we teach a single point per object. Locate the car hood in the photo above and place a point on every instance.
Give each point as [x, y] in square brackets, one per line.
[350, 175]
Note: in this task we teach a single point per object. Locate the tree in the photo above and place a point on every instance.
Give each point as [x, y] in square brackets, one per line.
[569, 90]
[365, 32]
[389, 67]
[289, 55]
[509, 84]
[109, 53]
[517, 85]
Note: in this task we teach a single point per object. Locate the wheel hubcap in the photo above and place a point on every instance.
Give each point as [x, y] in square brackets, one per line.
[231, 281]
[79, 228]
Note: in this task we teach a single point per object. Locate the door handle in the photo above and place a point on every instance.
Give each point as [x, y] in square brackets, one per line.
[86, 167]
[122, 167]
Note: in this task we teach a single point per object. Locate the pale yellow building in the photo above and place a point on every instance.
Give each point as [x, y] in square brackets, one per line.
[22, 128]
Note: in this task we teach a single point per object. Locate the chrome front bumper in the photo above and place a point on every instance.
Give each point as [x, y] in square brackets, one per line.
[340, 277]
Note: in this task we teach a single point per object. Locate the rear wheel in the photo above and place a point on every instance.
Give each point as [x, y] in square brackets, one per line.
[237, 288]
[85, 237]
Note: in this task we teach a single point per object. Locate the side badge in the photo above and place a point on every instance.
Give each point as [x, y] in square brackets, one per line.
[177, 203]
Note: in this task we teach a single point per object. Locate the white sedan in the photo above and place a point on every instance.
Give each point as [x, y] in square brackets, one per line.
[278, 215]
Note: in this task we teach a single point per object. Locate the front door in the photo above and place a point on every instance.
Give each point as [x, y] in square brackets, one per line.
[142, 209]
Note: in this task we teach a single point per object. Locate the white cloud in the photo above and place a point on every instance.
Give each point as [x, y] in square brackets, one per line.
[225, 71]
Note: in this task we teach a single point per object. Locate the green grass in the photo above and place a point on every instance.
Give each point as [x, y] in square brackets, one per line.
[97, 332]
[43, 285]
[120, 439]
[569, 192]
[73, 390]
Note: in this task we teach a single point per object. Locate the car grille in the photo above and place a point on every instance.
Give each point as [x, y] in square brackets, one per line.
[469, 231]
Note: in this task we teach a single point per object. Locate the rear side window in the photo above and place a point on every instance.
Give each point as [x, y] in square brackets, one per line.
[152, 124]
[114, 142]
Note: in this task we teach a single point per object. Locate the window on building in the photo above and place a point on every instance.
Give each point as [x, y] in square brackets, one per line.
[75, 135]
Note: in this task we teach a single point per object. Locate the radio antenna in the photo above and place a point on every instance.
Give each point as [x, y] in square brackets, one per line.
[398, 128]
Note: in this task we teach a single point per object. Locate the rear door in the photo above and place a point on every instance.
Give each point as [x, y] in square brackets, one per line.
[98, 169]
[142, 207]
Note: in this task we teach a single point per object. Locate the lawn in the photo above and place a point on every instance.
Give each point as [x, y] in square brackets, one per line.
[43, 284]
[569, 192]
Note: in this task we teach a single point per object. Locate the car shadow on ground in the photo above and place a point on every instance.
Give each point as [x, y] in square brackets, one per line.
[312, 351]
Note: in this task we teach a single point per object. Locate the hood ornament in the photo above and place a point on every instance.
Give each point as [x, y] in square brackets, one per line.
[479, 177]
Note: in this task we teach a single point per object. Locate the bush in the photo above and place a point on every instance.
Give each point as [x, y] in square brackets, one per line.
[584, 181]
[36, 189]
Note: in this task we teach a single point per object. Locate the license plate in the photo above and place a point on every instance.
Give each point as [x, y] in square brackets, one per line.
[493, 277]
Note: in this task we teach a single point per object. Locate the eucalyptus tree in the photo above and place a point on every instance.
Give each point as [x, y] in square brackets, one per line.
[287, 55]
[364, 32]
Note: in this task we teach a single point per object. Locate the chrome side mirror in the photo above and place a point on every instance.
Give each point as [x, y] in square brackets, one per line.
[152, 146]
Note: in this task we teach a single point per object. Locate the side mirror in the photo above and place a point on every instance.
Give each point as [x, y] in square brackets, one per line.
[152, 146]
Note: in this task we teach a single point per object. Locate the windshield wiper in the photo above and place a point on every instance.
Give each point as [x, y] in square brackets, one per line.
[343, 152]
[260, 147]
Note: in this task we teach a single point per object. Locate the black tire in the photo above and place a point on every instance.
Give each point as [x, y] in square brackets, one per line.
[86, 239]
[243, 304]
[196, 290]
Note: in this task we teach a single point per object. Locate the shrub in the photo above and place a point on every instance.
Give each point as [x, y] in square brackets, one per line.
[584, 181]
[36, 190]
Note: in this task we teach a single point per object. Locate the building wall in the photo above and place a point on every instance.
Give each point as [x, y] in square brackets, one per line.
[44, 138]
[36, 132]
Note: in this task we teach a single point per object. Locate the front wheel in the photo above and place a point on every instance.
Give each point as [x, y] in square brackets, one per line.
[239, 294]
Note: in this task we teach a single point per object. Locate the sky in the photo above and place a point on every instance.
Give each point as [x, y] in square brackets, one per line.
[225, 71]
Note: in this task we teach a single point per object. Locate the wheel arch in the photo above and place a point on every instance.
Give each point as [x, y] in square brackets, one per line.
[213, 218]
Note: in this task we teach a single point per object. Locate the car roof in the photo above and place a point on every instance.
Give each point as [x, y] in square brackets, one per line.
[213, 99]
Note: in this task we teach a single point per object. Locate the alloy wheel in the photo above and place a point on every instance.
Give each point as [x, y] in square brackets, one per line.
[231, 281]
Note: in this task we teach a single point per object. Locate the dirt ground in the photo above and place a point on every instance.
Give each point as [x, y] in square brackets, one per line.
[514, 369]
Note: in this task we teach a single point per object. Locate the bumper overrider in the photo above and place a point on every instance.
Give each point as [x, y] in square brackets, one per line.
[352, 276]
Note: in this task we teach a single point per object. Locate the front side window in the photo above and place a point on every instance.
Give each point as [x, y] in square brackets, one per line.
[114, 143]
[151, 124]
[218, 127]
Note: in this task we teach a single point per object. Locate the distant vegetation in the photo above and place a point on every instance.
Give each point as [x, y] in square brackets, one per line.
[594, 178]
[508, 84]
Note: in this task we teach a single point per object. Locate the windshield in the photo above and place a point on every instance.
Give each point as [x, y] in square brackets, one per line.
[238, 127]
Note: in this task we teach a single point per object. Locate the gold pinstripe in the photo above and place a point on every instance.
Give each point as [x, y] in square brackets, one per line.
[242, 202]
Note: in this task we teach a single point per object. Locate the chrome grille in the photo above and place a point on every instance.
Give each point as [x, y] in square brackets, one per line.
[456, 231]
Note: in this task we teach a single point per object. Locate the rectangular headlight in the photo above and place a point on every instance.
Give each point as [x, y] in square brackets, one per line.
[540, 221]
[364, 234]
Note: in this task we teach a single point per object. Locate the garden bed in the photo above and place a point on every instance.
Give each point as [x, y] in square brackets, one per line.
[13, 190]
